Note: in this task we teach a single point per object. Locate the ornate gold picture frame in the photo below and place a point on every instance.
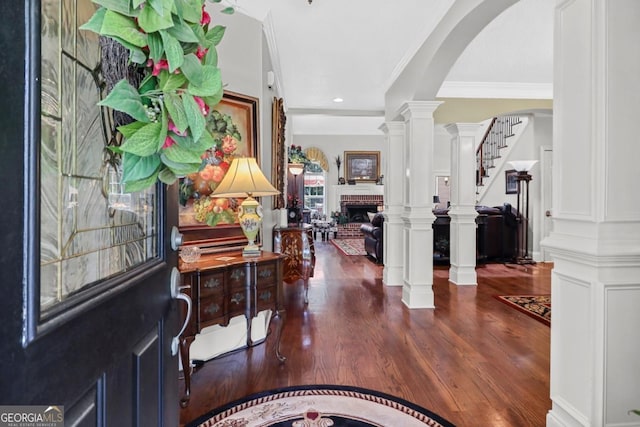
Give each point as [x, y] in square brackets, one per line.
[277, 151]
[362, 166]
[212, 222]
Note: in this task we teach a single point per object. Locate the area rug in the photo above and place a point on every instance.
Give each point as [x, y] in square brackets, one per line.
[536, 306]
[350, 246]
[320, 406]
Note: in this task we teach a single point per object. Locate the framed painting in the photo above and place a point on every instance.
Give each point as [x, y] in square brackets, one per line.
[511, 184]
[278, 172]
[212, 222]
[362, 166]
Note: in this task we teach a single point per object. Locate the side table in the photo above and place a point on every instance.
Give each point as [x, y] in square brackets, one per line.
[296, 244]
[227, 284]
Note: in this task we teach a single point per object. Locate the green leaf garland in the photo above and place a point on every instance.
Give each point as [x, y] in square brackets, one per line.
[125, 28]
[172, 40]
[194, 116]
[124, 97]
[144, 142]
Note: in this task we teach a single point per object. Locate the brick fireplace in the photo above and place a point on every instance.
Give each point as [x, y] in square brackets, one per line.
[355, 207]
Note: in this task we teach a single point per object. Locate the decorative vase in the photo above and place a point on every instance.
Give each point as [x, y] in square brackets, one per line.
[250, 218]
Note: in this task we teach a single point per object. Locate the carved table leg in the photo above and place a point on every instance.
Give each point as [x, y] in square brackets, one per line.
[280, 314]
[306, 290]
[185, 344]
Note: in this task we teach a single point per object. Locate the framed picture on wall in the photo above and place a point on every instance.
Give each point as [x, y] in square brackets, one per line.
[362, 166]
[204, 220]
[279, 119]
[511, 184]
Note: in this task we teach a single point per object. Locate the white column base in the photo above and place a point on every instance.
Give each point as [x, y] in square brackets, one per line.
[393, 249]
[463, 275]
[392, 276]
[594, 351]
[559, 417]
[417, 291]
[418, 295]
[462, 230]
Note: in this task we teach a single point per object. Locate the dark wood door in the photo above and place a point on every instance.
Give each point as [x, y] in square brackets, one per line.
[103, 350]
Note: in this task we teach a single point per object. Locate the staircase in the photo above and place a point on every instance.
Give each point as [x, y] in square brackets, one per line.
[492, 147]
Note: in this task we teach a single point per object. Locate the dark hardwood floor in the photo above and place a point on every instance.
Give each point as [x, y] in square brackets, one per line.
[473, 360]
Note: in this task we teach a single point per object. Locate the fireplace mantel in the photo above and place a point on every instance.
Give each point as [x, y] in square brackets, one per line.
[353, 190]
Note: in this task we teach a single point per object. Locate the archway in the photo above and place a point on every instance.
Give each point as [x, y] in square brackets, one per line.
[424, 73]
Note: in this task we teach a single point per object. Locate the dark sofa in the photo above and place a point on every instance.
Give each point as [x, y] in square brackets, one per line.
[372, 232]
[495, 235]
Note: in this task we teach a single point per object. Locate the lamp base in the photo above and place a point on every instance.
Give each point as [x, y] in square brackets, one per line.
[251, 250]
[250, 218]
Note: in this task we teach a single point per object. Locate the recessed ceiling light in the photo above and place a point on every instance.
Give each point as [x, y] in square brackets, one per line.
[338, 99]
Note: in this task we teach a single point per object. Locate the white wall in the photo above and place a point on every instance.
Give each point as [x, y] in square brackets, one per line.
[244, 62]
[441, 152]
[334, 145]
[240, 53]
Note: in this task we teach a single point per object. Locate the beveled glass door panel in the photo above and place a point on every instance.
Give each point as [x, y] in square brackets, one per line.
[90, 229]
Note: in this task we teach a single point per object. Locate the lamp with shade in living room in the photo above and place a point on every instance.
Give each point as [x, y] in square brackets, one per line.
[296, 169]
[245, 179]
[523, 177]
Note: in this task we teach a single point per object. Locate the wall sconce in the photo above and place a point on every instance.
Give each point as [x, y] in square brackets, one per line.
[296, 169]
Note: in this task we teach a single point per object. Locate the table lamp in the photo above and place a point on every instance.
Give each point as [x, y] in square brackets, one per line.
[245, 179]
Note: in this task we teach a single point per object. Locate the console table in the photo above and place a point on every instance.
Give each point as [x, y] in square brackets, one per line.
[226, 284]
[296, 244]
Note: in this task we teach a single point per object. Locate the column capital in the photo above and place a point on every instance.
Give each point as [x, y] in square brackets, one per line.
[462, 129]
[392, 127]
[419, 109]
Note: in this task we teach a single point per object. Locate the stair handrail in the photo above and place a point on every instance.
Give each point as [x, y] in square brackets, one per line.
[480, 153]
[505, 126]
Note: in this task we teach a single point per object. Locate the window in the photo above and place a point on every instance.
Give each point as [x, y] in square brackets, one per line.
[314, 191]
[90, 229]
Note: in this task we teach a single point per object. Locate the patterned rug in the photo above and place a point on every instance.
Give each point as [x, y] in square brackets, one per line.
[350, 246]
[320, 406]
[536, 306]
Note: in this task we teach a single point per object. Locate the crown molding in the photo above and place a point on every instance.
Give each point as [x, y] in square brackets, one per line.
[500, 90]
[274, 54]
[335, 112]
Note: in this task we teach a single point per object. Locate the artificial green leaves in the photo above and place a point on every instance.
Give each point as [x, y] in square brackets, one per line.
[171, 39]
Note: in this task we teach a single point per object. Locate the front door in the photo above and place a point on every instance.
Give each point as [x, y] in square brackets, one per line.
[87, 315]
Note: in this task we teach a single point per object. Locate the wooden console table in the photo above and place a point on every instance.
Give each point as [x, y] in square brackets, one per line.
[296, 244]
[224, 285]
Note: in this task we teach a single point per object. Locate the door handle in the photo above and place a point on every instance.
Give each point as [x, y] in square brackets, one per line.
[176, 294]
[547, 213]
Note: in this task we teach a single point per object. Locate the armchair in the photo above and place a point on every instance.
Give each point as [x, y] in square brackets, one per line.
[373, 232]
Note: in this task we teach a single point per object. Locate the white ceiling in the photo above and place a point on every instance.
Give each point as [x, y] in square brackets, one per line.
[353, 48]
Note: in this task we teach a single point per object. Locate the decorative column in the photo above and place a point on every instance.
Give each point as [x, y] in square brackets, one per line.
[417, 215]
[595, 243]
[462, 231]
[393, 224]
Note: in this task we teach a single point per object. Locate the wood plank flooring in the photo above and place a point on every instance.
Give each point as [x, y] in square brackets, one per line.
[473, 360]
